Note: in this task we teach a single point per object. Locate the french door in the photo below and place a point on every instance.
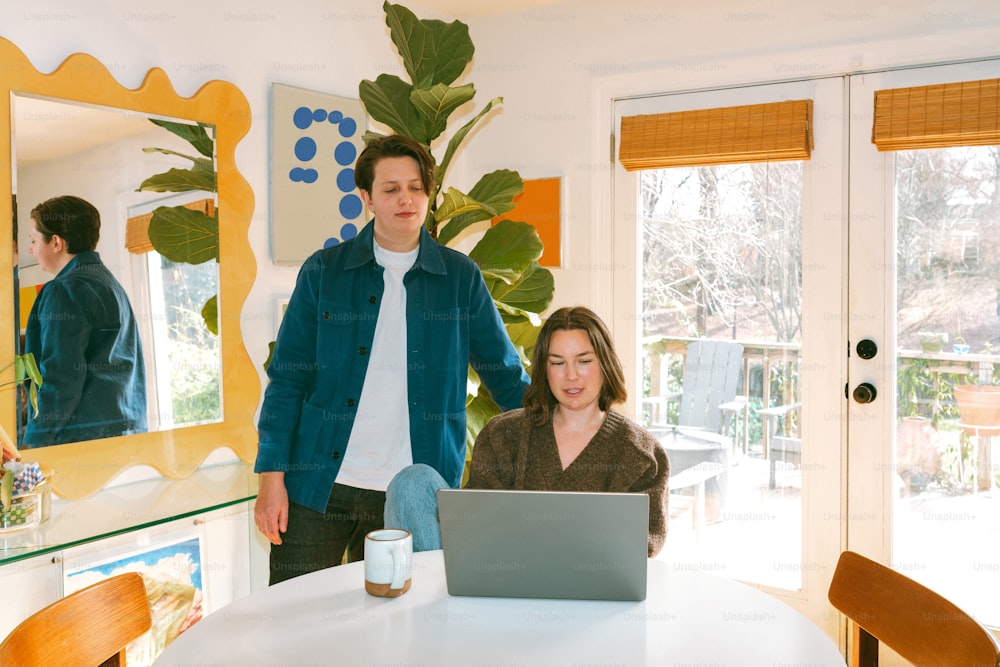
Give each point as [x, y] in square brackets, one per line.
[900, 303]
[780, 291]
[924, 290]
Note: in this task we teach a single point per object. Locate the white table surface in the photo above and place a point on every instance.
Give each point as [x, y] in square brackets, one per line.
[327, 618]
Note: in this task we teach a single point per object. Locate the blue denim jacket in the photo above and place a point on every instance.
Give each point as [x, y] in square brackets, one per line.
[84, 336]
[321, 358]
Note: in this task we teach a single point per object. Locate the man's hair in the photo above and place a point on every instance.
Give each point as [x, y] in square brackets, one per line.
[74, 220]
[394, 145]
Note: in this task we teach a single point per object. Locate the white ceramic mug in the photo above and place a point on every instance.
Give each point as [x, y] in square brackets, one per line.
[388, 562]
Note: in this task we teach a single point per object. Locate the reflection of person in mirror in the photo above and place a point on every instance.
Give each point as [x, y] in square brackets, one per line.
[83, 334]
[566, 438]
[370, 370]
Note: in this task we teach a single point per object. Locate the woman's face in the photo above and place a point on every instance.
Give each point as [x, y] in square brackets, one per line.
[398, 202]
[573, 370]
[48, 254]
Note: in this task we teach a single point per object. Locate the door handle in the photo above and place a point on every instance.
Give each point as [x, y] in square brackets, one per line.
[865, 393]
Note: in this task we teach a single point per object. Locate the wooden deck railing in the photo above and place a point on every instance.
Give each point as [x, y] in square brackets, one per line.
[771, 379]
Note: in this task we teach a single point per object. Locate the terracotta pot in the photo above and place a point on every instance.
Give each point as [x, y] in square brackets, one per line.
[978, 407]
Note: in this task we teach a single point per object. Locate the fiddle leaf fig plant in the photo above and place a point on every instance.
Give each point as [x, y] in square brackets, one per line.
[435, 54]
[25, 369]
[179, 233]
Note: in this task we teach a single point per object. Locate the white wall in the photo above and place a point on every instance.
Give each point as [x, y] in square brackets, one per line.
[556, 67]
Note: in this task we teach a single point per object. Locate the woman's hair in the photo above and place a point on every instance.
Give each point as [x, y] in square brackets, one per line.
[74, 220]
[539, 401]
[394, 145]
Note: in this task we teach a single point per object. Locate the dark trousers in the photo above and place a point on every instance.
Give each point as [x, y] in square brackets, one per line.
[317, 540]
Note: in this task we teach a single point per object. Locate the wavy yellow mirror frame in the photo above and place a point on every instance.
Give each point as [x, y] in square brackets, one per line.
[83, 468]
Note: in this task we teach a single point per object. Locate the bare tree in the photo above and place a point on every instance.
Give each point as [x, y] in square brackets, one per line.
[722, 250]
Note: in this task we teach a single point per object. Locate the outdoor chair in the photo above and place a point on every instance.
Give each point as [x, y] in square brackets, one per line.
[912, 620]
[87, 628]
[699, 445]
[713, 370]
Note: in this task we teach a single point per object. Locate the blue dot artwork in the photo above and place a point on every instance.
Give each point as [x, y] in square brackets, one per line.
[305, 149]
[351, 206]
[299, 175]
[345, 180]
[302, 118]
[348, 127]
[344, 153]
[347, 232]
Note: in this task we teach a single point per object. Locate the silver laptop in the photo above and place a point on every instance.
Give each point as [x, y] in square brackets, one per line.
[544, 544]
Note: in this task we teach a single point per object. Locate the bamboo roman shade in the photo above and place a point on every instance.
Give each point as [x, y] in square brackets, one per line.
[725, 135]
[940, 116]
[137, 229]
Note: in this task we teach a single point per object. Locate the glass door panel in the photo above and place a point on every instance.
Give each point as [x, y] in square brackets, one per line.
[725, 256]
[925, 274]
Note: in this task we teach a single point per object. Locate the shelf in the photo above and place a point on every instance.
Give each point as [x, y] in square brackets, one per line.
[131, 507]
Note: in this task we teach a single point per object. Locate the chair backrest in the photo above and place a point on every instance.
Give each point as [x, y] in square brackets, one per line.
[914, 621]
[83, 629]
[712, 372]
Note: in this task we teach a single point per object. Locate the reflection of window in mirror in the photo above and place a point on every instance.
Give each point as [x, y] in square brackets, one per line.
[184, 383]
[98, 154]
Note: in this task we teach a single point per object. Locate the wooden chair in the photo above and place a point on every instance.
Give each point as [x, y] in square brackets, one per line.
[713, 371]
[89, 627]
[914, 621]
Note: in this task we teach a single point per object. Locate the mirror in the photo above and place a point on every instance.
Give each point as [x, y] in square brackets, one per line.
[102, 155]
[83, 468]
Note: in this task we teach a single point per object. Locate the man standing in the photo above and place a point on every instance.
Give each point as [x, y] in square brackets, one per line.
[369, 370]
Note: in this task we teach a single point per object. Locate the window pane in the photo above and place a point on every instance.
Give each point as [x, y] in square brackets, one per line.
[721, 264]
[947, 516]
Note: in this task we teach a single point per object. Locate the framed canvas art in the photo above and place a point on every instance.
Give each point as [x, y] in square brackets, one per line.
[315, 139]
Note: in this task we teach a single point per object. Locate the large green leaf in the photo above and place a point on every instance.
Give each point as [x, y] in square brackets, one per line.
[524, 335]
[459, 136]
[508, 245]
[432, 51]
[183, 235]
[196, 135]
[210, 313]
[200, 177]
[531, 293]
[6, 490]
[26, 368]
[495, 193]
[387, 100]
[437, 103]
[456, 203]
[479, 409]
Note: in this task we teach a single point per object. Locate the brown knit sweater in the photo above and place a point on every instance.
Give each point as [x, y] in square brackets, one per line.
[511, 453]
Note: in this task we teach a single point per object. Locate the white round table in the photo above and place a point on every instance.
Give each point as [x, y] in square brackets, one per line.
[327, 618]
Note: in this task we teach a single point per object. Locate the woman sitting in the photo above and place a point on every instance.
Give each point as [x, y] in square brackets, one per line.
[567, 437]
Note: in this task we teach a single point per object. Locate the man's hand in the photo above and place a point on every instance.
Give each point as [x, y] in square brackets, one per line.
[270, 513]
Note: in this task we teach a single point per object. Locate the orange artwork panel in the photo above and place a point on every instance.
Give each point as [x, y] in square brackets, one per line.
[539, 206]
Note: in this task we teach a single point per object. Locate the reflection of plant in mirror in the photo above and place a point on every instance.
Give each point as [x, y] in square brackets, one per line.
[25, 368]
[179, 233]
[435, 54]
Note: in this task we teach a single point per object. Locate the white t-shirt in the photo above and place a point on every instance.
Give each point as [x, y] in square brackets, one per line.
[379, 445]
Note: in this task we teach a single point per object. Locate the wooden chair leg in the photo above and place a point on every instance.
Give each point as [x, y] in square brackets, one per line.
[864, 648]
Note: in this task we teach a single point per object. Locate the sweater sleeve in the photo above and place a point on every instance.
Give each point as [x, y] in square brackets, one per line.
[656, 487]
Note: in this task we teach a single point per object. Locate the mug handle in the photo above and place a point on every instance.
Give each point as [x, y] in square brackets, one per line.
[400, 565]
